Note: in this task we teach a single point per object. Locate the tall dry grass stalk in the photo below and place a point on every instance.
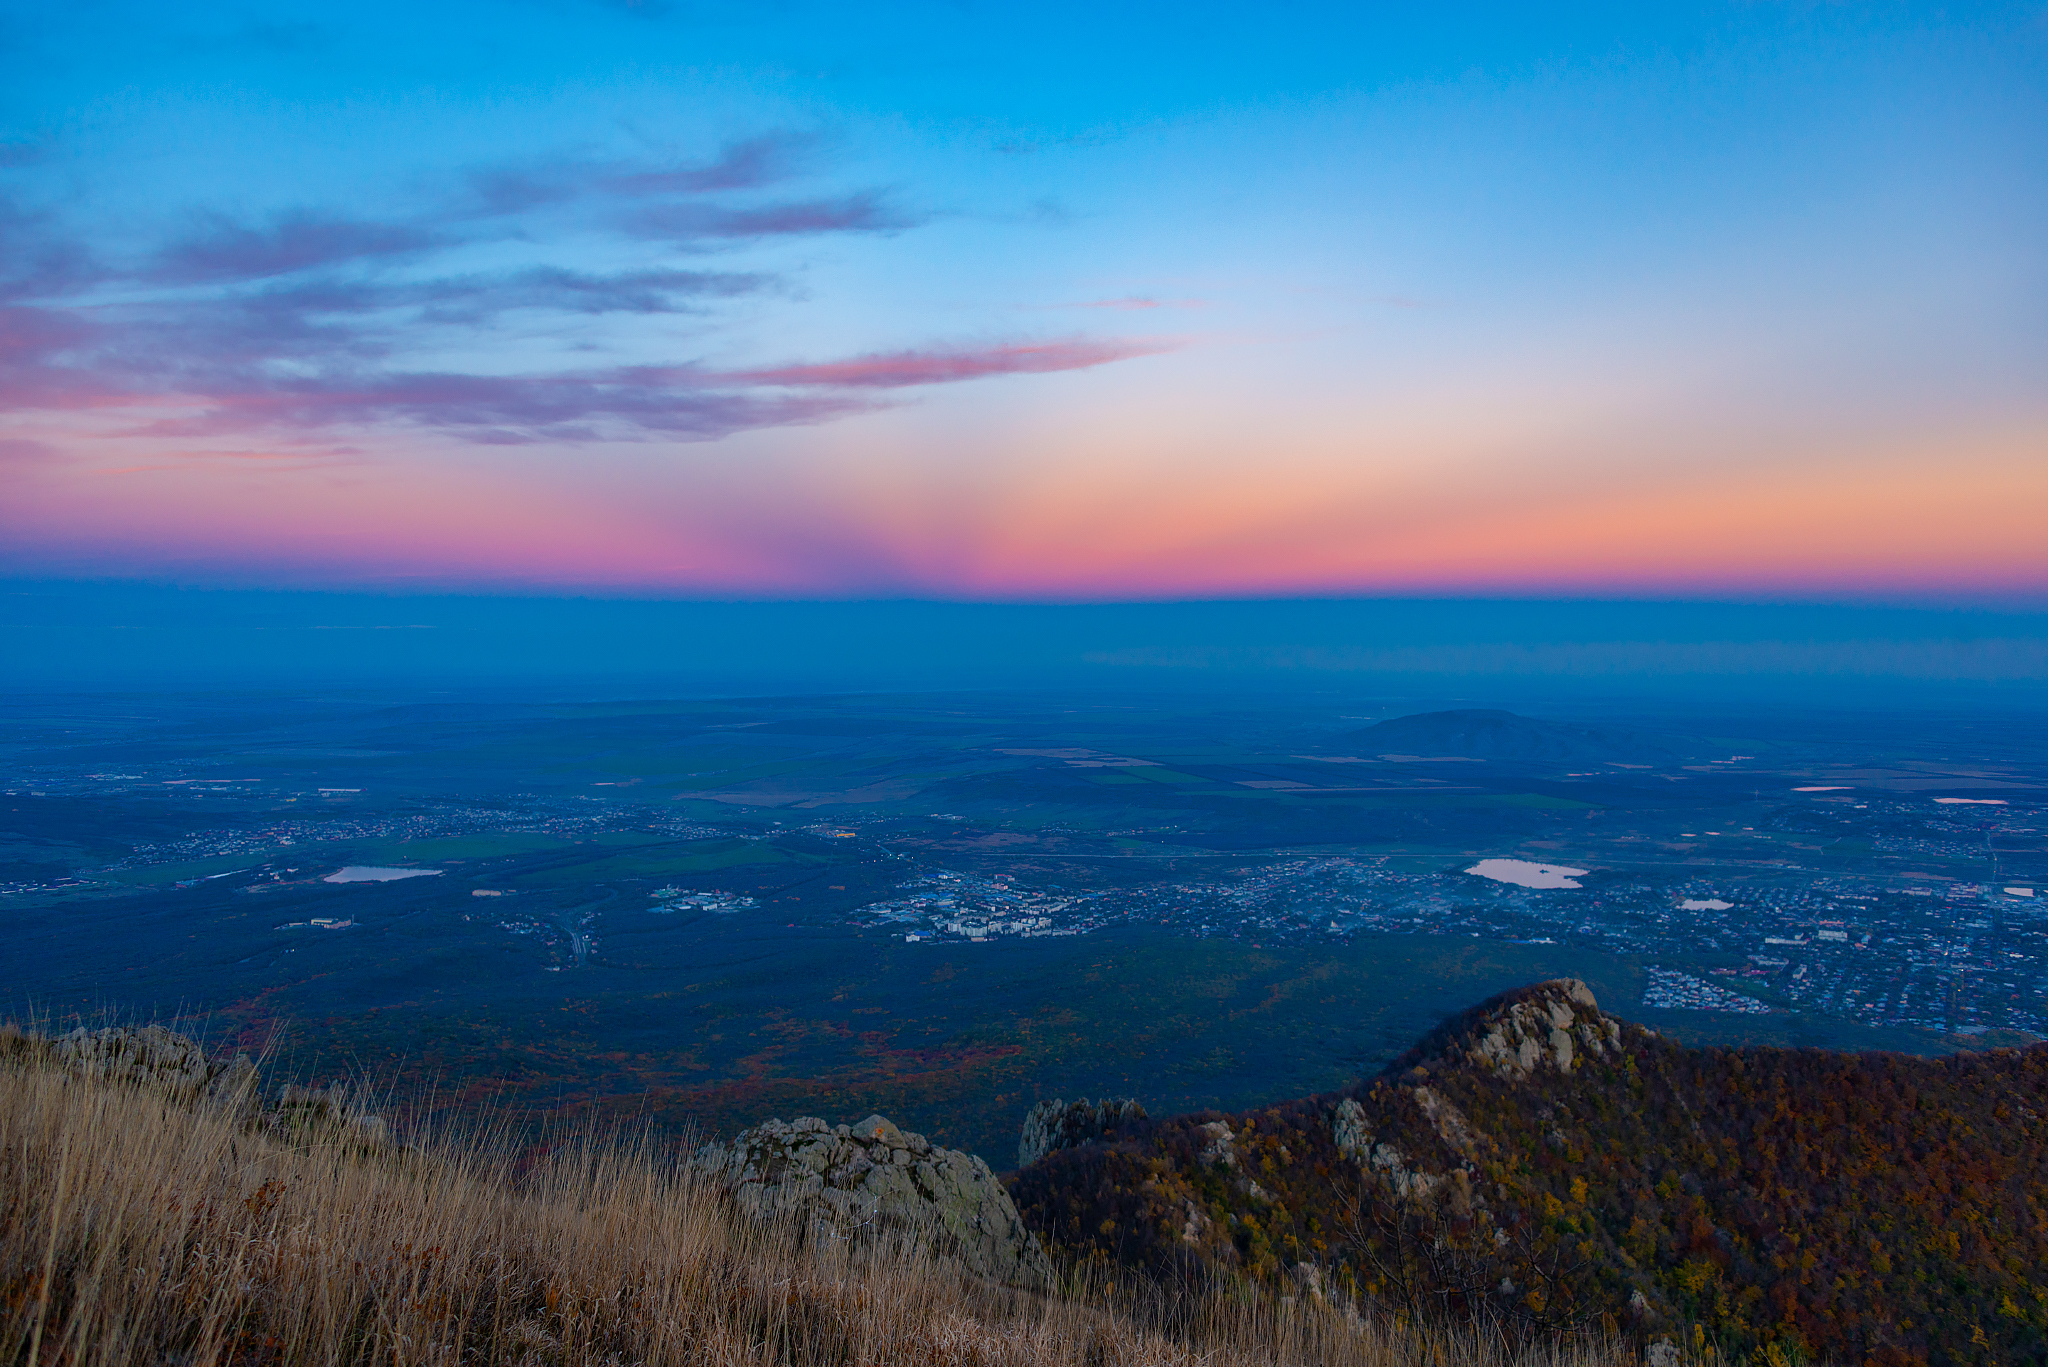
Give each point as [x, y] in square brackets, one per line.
[140, 1231]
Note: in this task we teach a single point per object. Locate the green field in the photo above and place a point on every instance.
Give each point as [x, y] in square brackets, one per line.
[669, 861]
[153, 875]
[489, 845]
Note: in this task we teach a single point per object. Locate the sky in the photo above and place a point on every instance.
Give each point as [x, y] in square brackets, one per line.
[1052, 304]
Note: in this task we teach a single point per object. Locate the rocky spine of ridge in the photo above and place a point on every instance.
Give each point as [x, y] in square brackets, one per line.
[1391, 1176]
[1552, 1028]
[852, 1181]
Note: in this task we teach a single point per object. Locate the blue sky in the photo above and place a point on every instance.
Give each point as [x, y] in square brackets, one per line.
[1734, 303]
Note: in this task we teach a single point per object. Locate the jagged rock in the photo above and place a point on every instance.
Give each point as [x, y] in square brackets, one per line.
[1354, 1139]
[333, 1108]
[1195, 1227]
[876, 1176]
[1222, 1145]
[1349, 1131]
[1549, 1027]
[1448, 1120]
[1053, 1125]
[177, 1066]
[152, 1056]
[1552, 1026]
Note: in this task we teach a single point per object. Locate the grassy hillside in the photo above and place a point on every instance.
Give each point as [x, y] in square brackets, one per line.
[138, 1228]
[1539, 1161]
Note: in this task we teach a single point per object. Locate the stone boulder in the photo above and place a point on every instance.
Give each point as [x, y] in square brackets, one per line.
[331, 1112]
[154, 1057]
[176, 1066]
[846, 1179]
[1053, 1125]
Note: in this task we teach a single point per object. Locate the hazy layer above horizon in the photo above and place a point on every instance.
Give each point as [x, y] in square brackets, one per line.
[100, 635]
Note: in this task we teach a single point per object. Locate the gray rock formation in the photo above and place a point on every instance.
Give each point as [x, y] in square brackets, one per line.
[152, 1056]
[1221, 1145]
[1053, 1125]
[1350, 1131]
[333, 1109]
[873, 1176]
[1549, 1029]
[177, 1066]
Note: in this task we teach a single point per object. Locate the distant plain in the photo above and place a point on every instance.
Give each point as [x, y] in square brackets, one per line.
[1254, 897]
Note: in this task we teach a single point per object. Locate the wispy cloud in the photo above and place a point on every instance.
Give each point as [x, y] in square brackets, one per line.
[34, 345]
[20, 451]
[311, 320]
[866, 211]
[627, 403]
[225, 251]
[38, 260]
[748, 164]
[905, 369]
[743, 165]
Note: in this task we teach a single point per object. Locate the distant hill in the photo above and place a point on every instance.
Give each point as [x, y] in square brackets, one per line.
[1477, 733]
[1541, 1161]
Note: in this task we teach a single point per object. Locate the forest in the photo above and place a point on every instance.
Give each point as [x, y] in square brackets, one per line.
[1539, 1161]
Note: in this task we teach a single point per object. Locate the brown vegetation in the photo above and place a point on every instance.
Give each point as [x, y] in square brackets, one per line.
[1767, 1204]
[141, 1229]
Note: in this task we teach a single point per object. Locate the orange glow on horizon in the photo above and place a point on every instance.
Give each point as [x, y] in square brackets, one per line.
[1931, 513]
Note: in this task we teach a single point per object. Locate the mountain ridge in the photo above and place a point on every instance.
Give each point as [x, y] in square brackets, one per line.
[1541, 1161]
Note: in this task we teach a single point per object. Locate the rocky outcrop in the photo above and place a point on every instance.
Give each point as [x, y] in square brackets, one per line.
[154, 1057]
[333, 1109]
[1540, 1165]
[1053, 1125]
[1550, 1027]
[847, 1179]
[1349, 1129]
[177, 1066]
[1352, 1133]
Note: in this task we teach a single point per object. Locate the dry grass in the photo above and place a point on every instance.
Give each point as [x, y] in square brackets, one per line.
[138, 1231]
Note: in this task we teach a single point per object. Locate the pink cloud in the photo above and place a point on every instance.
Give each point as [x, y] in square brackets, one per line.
[896, 370]
[22, 449]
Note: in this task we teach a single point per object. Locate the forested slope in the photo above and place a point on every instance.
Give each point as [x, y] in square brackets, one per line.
[1542, 1160]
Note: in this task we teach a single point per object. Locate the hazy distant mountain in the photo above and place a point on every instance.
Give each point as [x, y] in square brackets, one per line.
[1536, 1161]
[1477, 733]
